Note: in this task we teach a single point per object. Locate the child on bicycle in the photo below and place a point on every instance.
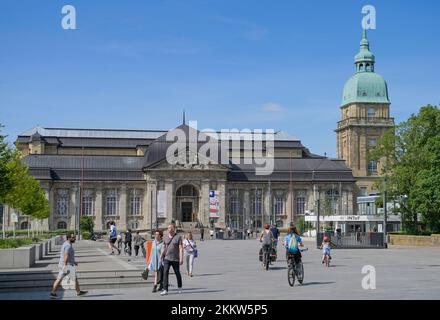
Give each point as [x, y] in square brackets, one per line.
[325, 246]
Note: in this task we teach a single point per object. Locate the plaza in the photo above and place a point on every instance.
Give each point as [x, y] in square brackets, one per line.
[228, 269]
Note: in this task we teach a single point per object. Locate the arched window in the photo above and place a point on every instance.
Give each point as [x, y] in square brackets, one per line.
[62, 225]
[24, 225]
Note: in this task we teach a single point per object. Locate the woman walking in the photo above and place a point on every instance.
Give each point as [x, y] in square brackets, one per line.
[189, 245]
[156, 261]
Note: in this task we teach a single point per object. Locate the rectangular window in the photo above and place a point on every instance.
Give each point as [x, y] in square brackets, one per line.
[372, 166]
[363, 191]
[257, 202]
[372, 142]
[135, 202]
[62, 205]
[279, 205]
[87, 203]
[234, 202]
[301, 202]
[111, 202]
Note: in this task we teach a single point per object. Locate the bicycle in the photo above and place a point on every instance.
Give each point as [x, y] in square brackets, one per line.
[269, 256]
[326, 260]
[295, 269]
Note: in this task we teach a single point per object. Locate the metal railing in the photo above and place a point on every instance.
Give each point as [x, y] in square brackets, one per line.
[353, 240]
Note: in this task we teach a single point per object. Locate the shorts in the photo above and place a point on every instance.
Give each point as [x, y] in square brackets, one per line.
[70, 271]
[112, 240]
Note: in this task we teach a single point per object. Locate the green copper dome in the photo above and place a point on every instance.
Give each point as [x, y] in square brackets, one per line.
[365, 85]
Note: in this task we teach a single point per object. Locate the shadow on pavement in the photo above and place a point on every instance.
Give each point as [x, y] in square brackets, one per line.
[207, 274]
[316, 283]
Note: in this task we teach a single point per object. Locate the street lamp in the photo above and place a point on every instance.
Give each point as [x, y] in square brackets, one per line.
[385, 214]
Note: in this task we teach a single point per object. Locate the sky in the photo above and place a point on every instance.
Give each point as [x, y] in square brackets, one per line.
[248, 64]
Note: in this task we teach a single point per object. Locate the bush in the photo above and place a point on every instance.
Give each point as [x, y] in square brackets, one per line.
[86, 224]
[86, 235]
[14, 243]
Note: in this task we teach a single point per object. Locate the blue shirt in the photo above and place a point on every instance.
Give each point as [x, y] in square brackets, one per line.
[289, 236]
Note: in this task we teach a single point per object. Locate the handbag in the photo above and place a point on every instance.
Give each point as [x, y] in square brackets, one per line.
[145, 273]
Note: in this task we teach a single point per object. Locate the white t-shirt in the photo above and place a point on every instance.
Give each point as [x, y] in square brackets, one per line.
[187, 245]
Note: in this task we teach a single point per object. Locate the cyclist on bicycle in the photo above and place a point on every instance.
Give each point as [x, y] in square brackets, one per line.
[325, 246]
[267, 240]
[292, 241]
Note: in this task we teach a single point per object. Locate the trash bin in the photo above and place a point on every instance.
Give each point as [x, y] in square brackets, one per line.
[220, 234]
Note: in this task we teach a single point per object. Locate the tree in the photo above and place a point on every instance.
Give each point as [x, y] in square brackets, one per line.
[409, 156]
[5, 156]
[86, 224]
[18, 189]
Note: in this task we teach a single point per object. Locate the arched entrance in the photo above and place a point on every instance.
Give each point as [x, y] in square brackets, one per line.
[187, 203]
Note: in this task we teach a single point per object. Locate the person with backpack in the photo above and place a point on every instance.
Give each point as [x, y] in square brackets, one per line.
[267, 239]
[292, 242]
[112, 238]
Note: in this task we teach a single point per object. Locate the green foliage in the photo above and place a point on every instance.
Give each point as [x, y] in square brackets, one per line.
[17, 188]
[410, 158]
[302, 225]
[86, 224]
[14, 243]
[5, 156]
[86, 235]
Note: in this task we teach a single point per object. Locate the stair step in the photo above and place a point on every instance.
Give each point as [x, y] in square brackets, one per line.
[84, 286]
[82, 280]
[15, 276]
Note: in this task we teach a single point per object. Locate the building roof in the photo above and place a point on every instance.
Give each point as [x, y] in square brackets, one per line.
[365, 85]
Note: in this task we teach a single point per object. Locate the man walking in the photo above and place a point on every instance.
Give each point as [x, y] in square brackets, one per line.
[202, 233]
[172, 256]
[66, 266]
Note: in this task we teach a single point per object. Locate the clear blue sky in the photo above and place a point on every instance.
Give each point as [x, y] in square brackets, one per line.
[137, 64]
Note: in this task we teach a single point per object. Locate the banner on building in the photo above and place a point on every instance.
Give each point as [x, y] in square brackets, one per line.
[161, 204]
[214, 204]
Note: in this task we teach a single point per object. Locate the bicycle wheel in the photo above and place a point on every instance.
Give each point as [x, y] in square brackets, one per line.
[300, 272]
[267, 260]
[291, 275]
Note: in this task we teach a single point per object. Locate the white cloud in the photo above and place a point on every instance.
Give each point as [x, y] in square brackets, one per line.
[272, 107]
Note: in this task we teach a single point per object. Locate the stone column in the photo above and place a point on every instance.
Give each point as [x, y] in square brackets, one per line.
[98, 209]
[267, 205]
[289, 207]
[246, 210]
[72, 212]
[221, 186]
[170, 201]
[122, 209]
[151, 207]
[145, 224]
[49, 223]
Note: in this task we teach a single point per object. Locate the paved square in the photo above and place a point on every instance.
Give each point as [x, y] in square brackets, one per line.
[231, 270]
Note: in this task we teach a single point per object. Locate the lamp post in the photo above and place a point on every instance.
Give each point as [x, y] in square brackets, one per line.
[385, 214]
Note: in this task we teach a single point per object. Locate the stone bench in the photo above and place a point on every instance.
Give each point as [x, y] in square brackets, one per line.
[23, 257]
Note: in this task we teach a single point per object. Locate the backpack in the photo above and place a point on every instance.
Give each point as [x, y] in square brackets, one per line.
[267, 238]
[113, 233]
[292, 246]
